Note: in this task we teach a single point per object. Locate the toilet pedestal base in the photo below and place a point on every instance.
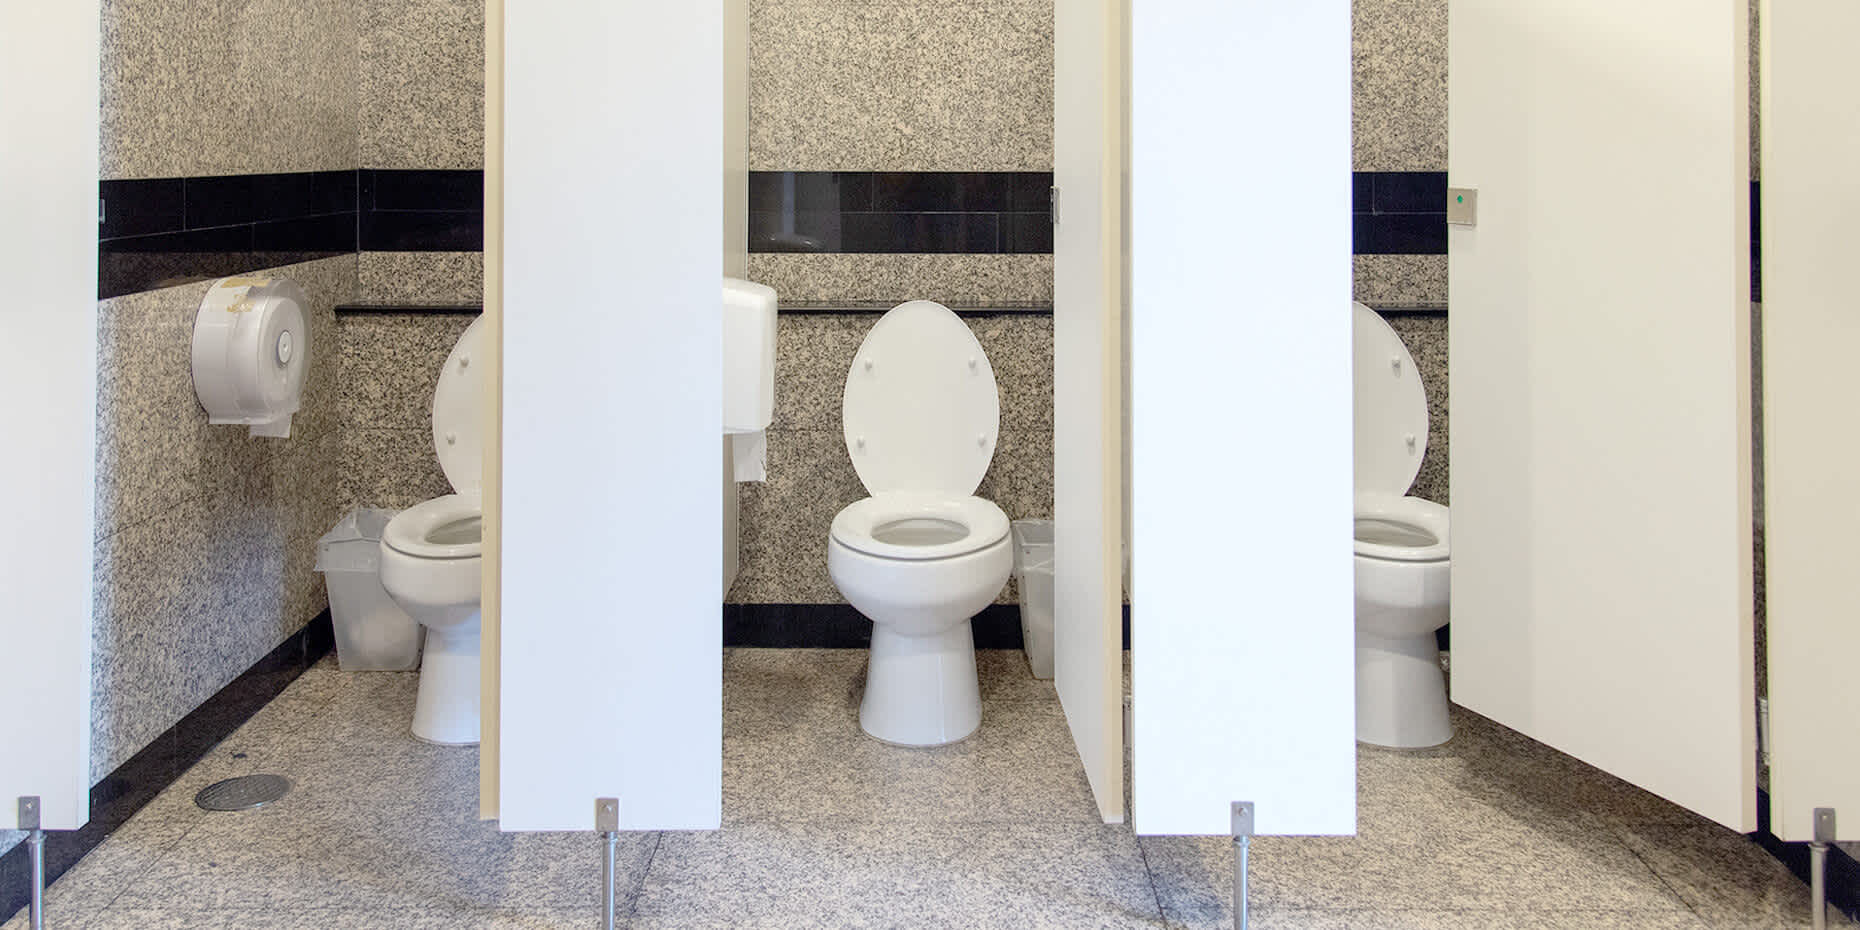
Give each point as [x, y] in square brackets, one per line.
[1401, 696]
[446, 712]
[921, 690]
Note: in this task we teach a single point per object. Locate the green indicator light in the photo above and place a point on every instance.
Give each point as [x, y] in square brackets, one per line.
[1460, 199]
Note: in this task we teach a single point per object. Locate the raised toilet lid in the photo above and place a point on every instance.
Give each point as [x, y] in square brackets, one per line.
[921, 411]
[458, 412]
[1391, 408]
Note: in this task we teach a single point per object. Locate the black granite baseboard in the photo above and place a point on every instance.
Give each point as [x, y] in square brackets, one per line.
[839, 626]
[136, 782]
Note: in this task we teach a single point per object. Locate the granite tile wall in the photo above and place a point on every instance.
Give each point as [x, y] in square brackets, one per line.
[198, 87]
[422, 84]
[421, 105]
[206, 537]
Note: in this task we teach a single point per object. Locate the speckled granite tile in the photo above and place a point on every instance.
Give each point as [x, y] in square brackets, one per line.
[422, 278]
[1020, 478]
[1454, 869]
[90, 885]
[1030, 769]
[1058, 875]
[287, 856]
[949, 279]
[1725, 877]
[1491, 774]
[431, 916]
[422, 84]
[813, 352]
[827, 770]
[150, 630]
[1020, 349]
[1426, 339]
[393, 468]
[1756, 90]
[785, 520]
[1400, 85]
[1405, 281]
[155, 447]
[766, 691]
[184, 83]
[389, 365]
[1004, 677]
[954, 86]
[1373, 918]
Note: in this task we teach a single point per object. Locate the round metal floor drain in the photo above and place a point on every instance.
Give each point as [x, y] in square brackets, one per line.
[243, 793]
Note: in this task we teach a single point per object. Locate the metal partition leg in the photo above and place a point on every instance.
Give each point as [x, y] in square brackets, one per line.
[1818, 867]
[1243, 837]
[35, 850]
[607, 823]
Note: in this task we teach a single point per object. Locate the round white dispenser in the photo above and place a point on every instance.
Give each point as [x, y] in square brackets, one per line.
[251, 351]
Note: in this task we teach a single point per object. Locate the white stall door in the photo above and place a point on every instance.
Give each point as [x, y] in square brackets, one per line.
[1088, 307]
[1600, 384]
[1811, 326]
[1242, 641]
[610, 647]
[48, 400]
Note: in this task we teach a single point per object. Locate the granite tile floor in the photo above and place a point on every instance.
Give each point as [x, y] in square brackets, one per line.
[825, 828]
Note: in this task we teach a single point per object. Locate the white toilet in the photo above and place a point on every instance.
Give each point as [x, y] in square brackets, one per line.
[1402, 567]
[431, 553]
[922, 555]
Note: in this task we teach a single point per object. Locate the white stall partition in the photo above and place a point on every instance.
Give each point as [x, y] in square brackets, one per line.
[1088, 310]
[1600, 382]
[1811, 325]
[1242, 640]
[610, 645]
[48, 400]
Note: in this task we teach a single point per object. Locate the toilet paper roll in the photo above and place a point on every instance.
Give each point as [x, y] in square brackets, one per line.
[750, 455]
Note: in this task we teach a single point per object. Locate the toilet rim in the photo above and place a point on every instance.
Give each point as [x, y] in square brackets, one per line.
[1424, 515]
[854, 526]
[407, 532]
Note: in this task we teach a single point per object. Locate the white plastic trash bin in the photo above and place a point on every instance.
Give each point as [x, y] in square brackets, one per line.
[1033, 572]
[372, 633]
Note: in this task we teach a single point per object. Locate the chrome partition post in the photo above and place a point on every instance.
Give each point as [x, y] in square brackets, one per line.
[1818, 866]
[35, 849]
[607, 823]
[1243, 837]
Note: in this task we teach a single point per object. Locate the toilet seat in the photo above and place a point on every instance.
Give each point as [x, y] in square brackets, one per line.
[919, 527]
[1401, 529]
[921, 411]
[442, 528]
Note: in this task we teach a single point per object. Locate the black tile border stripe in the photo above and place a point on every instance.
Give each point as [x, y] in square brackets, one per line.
[160, 232]
[136, 782]
[839, 626]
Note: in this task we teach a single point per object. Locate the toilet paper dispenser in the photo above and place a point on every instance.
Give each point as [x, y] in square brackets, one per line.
[251, 351]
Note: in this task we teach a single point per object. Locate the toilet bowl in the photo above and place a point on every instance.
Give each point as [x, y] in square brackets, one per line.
[1402, 548]
[922, 555]
[432, 553]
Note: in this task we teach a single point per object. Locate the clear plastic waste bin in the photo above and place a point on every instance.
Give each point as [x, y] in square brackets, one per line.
[372, 633]
[1033, 572]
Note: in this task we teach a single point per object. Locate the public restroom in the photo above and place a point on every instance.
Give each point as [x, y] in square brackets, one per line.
[992, 266]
